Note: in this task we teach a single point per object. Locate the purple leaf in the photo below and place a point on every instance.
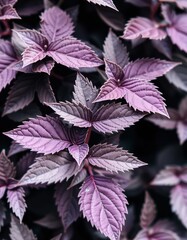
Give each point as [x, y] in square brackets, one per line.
[17, 202]
[178, 75]
[8, 12]
[73, 53]
[32, 38]
[114, 71]
[14, 149]
[84, 92]
[8, 58]
[177, 27]
[143, 27]
[2, 214]
[2, 189]
[112, 158]
[80, 176]
[50, 221]
[21, 94]
[114, 117]
[27, 8]
[115, 51]
[75, 114]
[32, 55]
[107, 3]
[164, 47]
[152, 234]
[182, 132]
[148, 68]
[166, 177]
[24, 163]
[67, 204]
[7, 2]
[179, 202]
[113, 19]
[7, 169]
[104, 205]
[132, 84]
[50, 169]
[44, 89]
[20, 231]
[43, 135]
[44, 66]
[148, 212]
[79, 152]
[141, 95]
[163, 122]
[56, 24]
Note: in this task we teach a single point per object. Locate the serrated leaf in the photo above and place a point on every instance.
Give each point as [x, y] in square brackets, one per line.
[80, 176]
[104, 205]
[73, 53]
[141, 95]
[43, 134]
[43, 66]
[151, 234]
[79, 152]
[23, 91]
[113, 71]
[114, 117]
[44, 90]
[8, 12]
[67, 204]
[148, 68]
[163, 122]
[115, 51]
[177, 27]
[84, 91]
[143, 27]
[148, 212]
[33, 54]
[17, 202]
[163, 46]
[8, 58]
[112, 158]
[75, 114]
[179, 202]
[50, 169]
[107, 3]
[20, 95]
[56, 24]
[7, 169]
[15, 148]
[24, 163]
[31, 38]
[20, 231]
[166, 177]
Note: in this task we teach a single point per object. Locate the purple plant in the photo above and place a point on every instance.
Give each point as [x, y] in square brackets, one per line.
[73, 91]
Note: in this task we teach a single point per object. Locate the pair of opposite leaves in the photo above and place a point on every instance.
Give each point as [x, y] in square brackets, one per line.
[174, 26]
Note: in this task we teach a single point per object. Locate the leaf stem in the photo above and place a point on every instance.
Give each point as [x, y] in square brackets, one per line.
[88, 134]
[87, 139]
